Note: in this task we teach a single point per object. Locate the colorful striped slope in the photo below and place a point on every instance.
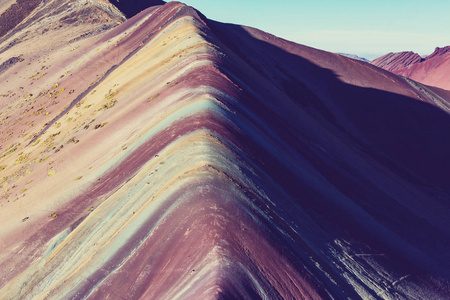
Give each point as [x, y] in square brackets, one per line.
[174, 157]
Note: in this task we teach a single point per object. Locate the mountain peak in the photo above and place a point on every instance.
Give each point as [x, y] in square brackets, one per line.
[438, 52]
[24, 13]
[65, 19]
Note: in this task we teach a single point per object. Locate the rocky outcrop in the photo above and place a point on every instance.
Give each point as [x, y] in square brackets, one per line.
[9, 63]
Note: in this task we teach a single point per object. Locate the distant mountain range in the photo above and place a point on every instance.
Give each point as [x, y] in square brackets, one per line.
[148, 152]
[353, 56]
[433, 69]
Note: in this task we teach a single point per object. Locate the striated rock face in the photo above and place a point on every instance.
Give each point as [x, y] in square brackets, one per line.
[438, 52]
[396, 61]
[174, 157]
[432, 70]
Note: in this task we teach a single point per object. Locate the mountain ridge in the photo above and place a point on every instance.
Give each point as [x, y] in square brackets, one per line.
[431, 70]
[353, 56]
[180, 157]
[397, 61]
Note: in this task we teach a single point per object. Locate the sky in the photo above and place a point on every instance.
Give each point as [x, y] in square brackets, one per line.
[365, 28]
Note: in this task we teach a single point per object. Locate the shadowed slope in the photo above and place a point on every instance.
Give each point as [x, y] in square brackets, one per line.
[200, 160]
[389, 129]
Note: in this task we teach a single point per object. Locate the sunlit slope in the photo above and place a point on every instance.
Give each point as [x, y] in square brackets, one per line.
[148, 144]
[431, 70]
[179, 158]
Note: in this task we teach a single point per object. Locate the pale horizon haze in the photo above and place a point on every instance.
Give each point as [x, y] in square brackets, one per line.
[366, 28]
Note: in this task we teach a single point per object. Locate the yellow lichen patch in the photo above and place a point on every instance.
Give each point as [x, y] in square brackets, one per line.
[112, 101]
[36, 143]
[78, 105]
[49, 142]
[31, 136]
[39, 159]
[55, 93]
[39, 112]
[24, 170]
[96, 80]
[51, 172]
[153, 98]
[111, 94]
[108, 105]
[100, 125]
[37, 76]
[23, 157]
[86, 126]
[73, 140]
[10, 150]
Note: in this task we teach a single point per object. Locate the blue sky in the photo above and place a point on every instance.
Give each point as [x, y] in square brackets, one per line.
[365, 28]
